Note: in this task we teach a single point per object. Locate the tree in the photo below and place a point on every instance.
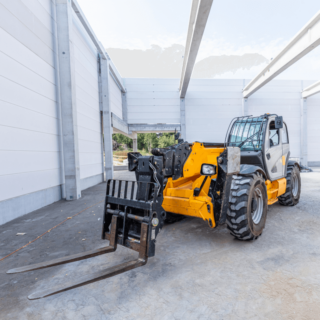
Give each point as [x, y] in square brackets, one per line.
[166, 140]
[150, 141]
[122, 139]
[147, 141]
[140, 141]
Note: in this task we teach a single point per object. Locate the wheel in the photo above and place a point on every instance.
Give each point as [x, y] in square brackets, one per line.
[293, 190]
[248, 205]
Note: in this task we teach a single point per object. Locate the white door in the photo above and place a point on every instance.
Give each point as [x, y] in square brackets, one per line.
[285, 147]
[273, 151]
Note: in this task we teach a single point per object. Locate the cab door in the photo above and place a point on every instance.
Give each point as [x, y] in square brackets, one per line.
[273, 151]
[285, 147]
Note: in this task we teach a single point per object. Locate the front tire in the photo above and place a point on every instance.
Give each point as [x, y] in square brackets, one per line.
[248, 206]
[293, 190]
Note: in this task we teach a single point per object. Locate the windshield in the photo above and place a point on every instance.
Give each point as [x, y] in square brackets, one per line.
[250, 129]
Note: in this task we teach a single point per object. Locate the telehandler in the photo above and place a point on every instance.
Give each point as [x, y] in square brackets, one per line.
[228, 183]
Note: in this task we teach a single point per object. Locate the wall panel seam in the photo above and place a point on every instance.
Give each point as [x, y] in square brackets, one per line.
[90, 95]
[51, 65]
[27, 150]
[92, 141]
[27, 88]
[87, 128]
[88, 117]
[29, 28]
[90, 152]
[12, 174]
[86, 102]
[42, 132]
[88, 82]
[88, 70]
[32, 110]
[34, 16]
[84, 43]
[52, 2]
[32, 70]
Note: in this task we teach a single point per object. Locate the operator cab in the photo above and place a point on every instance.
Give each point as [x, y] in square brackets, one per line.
[263, 142]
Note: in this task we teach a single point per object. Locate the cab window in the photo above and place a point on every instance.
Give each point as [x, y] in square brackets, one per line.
[248, 131]
[273, 135]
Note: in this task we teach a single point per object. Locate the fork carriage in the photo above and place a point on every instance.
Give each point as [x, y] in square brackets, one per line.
[134, 203]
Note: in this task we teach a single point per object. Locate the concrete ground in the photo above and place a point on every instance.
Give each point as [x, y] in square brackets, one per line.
[197, 273]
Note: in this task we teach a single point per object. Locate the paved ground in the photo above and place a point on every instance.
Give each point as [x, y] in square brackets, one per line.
[197, 273]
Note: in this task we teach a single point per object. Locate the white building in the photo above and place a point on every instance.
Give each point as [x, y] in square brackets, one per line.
[60, 92]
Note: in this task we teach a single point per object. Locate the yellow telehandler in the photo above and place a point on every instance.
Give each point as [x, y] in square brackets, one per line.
[228, 183]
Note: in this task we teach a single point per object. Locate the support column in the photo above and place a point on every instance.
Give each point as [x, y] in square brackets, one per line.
[245, 111]
[303, 132]
[101, 131]
[57, 95]
[68, 99]
[124, 107]
[105, 107]
[183, 119]
[135, 142]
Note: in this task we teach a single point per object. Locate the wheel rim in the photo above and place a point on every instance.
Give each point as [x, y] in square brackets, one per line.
[257, 214]
[295, 185]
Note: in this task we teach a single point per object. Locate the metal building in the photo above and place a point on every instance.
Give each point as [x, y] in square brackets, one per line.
[60, 94]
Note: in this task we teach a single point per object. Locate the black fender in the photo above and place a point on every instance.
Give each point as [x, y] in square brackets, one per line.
[294, 163]
[286, 168]
[247, 169]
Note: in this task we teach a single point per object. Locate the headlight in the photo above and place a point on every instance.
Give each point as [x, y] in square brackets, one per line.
[208, 169]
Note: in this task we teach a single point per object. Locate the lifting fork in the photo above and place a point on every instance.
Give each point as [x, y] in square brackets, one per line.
[100, 275]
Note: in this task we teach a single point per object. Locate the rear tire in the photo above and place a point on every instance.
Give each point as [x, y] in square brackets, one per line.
[248, 206]
[293, 190]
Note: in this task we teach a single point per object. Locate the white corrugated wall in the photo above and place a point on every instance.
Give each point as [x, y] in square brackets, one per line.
[282, 97]
[29, 131]
[115, 98]
[153, 100]
[88, 108]
[313, 105]
[210, 105]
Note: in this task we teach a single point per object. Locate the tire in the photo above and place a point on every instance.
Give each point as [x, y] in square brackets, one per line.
[248, 206]
[293, 190]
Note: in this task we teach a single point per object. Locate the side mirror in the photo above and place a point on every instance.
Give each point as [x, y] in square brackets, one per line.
[177, 136]
[278, 123]
[208, 169]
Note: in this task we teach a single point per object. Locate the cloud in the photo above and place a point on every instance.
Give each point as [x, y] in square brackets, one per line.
[209, 46]
[163, 41]
[220, 46]
[159, 62]
[307, 68]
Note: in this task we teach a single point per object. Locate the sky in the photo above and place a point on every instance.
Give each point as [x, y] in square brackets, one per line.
[234, 28]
